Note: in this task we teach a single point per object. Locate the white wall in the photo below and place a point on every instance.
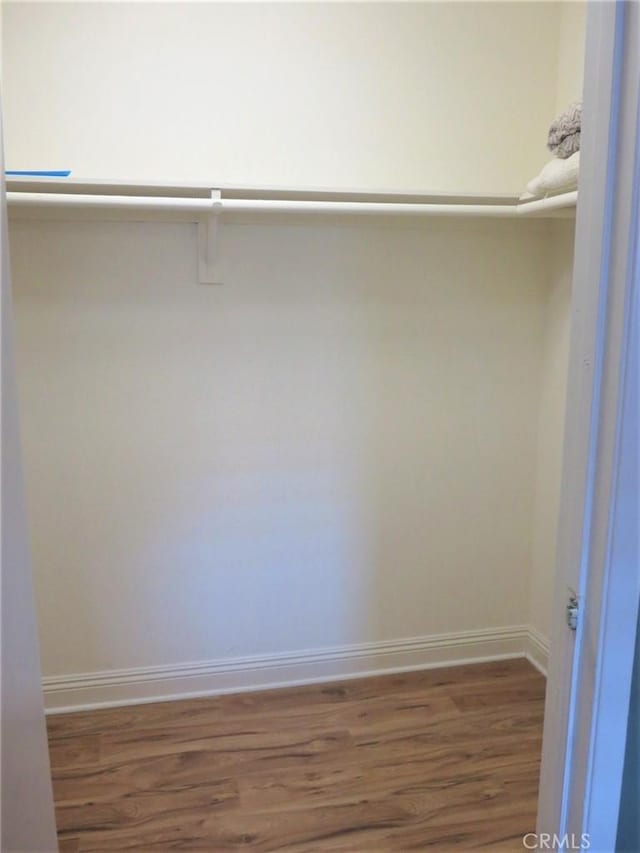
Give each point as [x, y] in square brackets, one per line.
[336, 446]
[555, 362]
[340, 444]
[432, 96]
[556, 347]
[571, 44]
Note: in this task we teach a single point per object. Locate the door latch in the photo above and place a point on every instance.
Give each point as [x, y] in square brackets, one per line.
[573, 608]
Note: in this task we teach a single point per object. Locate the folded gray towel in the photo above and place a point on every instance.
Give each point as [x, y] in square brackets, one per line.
[564, 133]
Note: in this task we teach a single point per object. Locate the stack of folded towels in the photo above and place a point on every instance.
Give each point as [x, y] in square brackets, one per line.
[561, 174]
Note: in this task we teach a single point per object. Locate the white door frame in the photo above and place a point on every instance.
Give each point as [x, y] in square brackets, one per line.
[589, 680]
[27, 820]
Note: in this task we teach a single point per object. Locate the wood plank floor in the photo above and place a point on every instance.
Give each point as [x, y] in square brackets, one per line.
[444, 759]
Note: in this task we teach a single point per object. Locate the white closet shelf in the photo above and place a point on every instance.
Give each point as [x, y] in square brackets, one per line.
[204, 204]
[38, 196]
[234, 191]
[171, 199]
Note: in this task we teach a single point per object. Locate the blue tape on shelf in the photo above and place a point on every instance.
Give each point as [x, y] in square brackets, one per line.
[60, 173]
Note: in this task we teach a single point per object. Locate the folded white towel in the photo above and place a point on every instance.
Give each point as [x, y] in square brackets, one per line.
[558, 176]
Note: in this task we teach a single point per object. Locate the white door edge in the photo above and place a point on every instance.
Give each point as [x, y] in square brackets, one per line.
[590, 672]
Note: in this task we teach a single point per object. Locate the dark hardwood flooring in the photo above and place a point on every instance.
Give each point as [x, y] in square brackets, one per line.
[444, 759]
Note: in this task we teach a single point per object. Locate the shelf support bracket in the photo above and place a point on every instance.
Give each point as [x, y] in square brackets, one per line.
[208, 242]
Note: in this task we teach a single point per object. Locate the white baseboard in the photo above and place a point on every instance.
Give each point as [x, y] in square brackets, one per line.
[537, 650]
[233, 675]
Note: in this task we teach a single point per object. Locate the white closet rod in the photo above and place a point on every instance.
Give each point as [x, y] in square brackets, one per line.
[114, 202]
[546, 205]
[366, 208]
[207, 205]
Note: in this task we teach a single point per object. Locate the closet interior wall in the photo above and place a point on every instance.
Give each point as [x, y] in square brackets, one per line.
[555, 355]
[433, 96]
[551, 411]
[347, 456]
